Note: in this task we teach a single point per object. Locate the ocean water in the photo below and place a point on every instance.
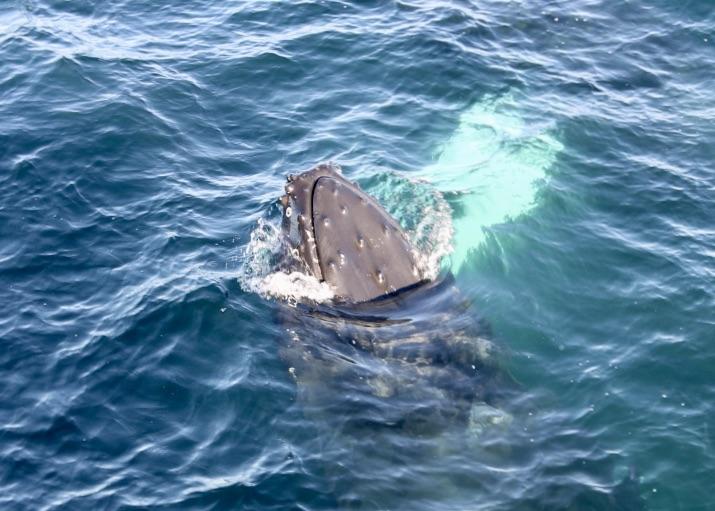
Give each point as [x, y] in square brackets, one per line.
[553, 161]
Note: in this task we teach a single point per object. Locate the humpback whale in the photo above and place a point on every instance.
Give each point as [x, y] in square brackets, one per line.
[395, 351]
[427, 348]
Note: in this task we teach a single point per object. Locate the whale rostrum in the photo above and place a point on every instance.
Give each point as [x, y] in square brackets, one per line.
[345, 238]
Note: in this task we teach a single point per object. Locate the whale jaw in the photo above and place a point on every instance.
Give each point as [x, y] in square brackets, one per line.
[345, 238]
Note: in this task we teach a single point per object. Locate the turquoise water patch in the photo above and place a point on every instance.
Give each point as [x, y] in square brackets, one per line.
[490, 170]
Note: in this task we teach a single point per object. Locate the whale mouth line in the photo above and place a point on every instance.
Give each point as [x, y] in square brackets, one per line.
[312, 213]
[344, 237]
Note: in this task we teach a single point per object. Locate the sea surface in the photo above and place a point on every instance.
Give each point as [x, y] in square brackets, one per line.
[553, 161]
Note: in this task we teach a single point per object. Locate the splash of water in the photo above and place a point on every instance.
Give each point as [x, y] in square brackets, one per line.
[267, 268]
[490, 170]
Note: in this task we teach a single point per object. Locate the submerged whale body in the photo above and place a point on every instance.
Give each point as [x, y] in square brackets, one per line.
[345, 238]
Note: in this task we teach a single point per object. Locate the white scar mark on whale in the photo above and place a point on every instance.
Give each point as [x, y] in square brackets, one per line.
[490, 170]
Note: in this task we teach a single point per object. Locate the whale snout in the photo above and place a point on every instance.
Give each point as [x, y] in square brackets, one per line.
[345, 238]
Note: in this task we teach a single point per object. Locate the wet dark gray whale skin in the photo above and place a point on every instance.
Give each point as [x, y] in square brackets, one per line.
[345, 238]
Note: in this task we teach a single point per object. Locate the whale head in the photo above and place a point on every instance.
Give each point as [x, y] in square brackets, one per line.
[344, 237]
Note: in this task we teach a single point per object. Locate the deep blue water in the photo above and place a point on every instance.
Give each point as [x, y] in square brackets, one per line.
[565, 149]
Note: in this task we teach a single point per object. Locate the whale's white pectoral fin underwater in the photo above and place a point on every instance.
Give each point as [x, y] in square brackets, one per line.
[345, 238]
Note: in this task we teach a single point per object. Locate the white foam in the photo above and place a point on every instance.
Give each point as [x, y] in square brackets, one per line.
[433, 237]
[267, 268]
[295, 287]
